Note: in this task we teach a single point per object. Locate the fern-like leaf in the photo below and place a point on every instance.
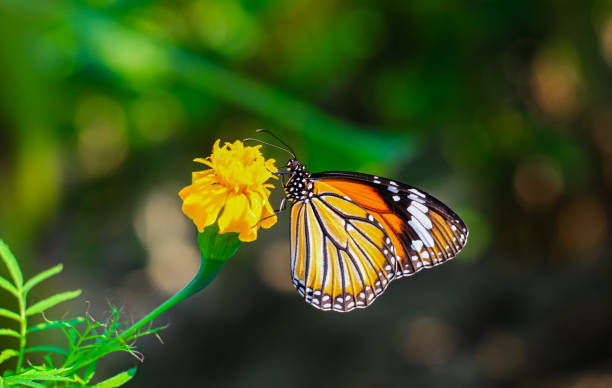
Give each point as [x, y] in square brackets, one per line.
[117, 380]
[8, 353]
[10, 333]
[5, 284]
[51, 301]
[47, 349]
[42, 277]
[15, 381]
[56, 325]
[89, 372]
[74, 364]
[11, 264]
[32, 377]
[9, 314]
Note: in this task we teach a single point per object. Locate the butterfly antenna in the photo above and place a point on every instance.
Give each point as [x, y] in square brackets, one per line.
[271, 145]
[279, 139]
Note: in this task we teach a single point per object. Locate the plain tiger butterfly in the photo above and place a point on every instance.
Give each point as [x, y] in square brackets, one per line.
[352, 234]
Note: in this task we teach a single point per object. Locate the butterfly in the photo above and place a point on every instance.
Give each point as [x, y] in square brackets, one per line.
[352, 234]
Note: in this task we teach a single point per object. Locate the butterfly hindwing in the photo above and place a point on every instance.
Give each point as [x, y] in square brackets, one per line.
[341, 255]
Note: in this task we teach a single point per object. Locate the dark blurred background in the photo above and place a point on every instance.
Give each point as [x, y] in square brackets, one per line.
[500, 108]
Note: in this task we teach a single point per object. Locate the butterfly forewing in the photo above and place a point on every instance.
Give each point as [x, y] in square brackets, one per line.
[423, 230]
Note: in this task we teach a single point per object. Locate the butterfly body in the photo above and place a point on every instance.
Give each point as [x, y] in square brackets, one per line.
[352, 234]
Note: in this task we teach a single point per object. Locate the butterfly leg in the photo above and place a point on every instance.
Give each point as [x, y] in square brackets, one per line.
[283, 205]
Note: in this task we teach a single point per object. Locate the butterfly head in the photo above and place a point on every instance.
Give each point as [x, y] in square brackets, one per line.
[299, 186]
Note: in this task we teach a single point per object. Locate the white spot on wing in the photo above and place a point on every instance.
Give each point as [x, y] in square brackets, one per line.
[392, 189]
[417, 245]
[422, 218]
[420, 206]
[416, 198]
[417, 192]
[422, 232]
[396, 198]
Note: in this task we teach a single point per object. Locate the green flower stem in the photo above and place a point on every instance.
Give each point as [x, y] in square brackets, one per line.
[208, 271]
[216, 249]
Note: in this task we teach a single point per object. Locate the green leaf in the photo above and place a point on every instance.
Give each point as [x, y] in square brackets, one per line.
[9, 332]
[9, 314]
[11, 264]
[8, 286]
[8, 353]
[89, 372]
[47, 349]
[41, 277]
[36, 375]
[55, 325]
[117, 380]
[49, 360]
[51, 301]
[16, 380]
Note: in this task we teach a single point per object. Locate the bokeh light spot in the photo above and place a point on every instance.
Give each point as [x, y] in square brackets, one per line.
[538, 182]
[555, 82]
[606, 41]
[172, 265]
[137, 58]
[102, 145]
[426, 341]
[226, 27]
[500, 355]
[582, 225]
[165, 233]
[157, 117]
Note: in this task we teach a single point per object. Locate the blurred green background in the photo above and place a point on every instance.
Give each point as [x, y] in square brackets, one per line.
[500, 108]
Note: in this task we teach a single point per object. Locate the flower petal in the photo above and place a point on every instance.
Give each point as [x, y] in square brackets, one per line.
[234, 214]
[203, 210]
[268, 216]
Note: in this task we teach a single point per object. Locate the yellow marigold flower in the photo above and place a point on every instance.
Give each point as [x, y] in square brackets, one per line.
[236, 183]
